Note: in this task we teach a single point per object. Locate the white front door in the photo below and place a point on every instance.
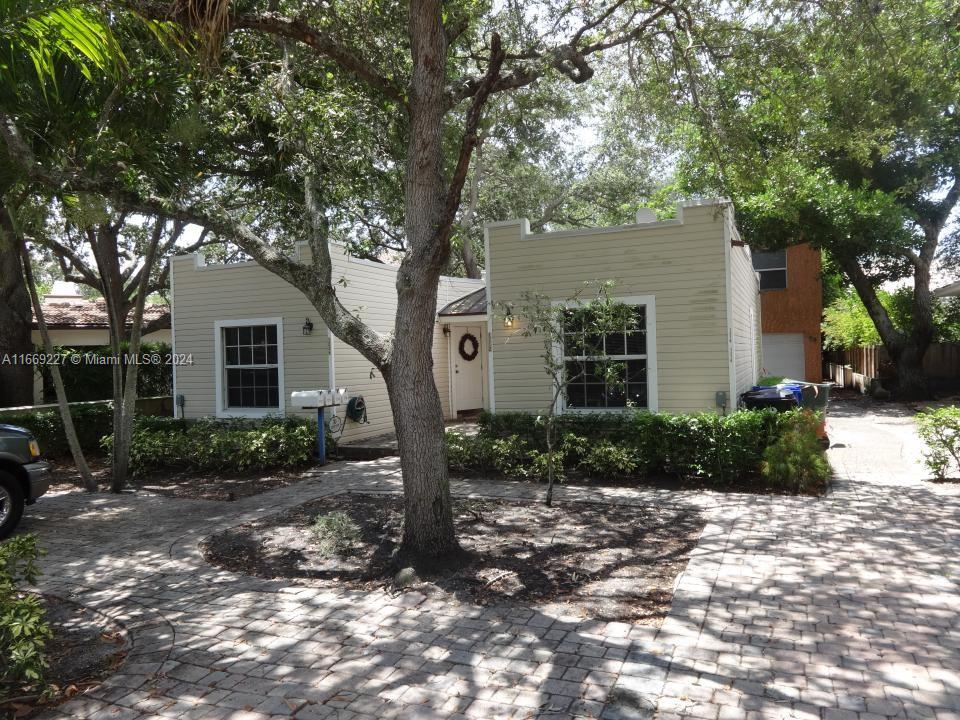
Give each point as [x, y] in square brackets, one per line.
[468, 363]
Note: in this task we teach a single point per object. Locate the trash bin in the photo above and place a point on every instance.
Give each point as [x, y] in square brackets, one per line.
[815, 397]
[769, 397]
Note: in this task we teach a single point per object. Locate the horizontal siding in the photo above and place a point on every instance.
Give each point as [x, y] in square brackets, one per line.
[203, 295]
[745, 325]
[680, 264]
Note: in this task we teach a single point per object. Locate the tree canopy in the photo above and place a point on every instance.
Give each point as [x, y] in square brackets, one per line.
[833, 123]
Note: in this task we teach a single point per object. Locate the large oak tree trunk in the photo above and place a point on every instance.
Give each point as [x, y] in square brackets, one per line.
[912, 381]
[906, 350]
[418, 417]
[16, 380]
[418, 414]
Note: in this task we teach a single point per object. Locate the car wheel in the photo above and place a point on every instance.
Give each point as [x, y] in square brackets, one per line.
[11, 503]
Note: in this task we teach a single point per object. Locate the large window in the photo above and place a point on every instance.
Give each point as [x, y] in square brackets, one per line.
[250, 373]
[609, 370]
[772, 268]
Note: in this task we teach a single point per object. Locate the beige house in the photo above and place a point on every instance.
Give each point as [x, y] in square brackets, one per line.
[247, 339]
[696, 294]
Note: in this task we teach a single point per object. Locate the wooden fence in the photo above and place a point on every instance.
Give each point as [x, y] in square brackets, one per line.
[858, 367]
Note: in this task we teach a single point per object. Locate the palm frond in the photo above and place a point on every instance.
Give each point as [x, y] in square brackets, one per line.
[46, 31]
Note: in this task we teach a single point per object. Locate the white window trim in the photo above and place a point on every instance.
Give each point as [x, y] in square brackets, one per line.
[786, 278]
[219, 372]
[653, 391]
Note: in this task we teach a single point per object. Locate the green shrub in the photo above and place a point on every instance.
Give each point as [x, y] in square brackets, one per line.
[335, 533]
[94, 380]
[530, 427]
[573, 448]
[512, 456]
[716, 448]
[940, 430]
[92, 421]
[795, 460]
[23, 628]
[469, 452]
[219, 445]
[610, 460]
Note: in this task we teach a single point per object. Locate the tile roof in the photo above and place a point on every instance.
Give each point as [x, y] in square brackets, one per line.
[92, 314]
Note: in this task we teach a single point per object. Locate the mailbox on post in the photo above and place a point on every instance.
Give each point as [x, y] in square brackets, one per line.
[319, 400]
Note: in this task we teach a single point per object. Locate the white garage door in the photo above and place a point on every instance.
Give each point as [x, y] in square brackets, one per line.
[783, 355]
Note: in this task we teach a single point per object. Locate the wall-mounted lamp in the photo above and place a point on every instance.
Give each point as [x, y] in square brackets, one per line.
[508, 321]
[446, 330]
[307, 327]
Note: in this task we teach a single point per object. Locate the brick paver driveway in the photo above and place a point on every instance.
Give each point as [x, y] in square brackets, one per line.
[840, 607]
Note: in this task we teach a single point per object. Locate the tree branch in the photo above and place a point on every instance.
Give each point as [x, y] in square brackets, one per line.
[324, 44]
[315, 282]
[566, 58]
[892, 338]
[470, 138]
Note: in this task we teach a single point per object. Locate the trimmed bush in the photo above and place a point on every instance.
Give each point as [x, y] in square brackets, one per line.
[712, 447]
[23, 627]
[795, 461]
[92, 423]
[940, 430]
[219, 445]
[606, 460]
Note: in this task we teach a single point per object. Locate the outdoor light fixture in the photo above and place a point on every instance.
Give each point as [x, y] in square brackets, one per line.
[446, 330]
[307, 327]
[508, 321]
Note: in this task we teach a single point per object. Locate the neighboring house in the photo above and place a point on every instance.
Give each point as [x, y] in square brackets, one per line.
[791, 296]
[252, 338]
[75, 321]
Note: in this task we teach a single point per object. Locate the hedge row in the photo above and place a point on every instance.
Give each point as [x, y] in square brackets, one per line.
[91, 421]
[94, 381]
[716, 448]
[219, 445]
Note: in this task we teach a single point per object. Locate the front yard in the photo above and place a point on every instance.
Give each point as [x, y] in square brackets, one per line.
[583, 560]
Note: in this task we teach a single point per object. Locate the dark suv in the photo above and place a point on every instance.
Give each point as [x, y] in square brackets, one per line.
[23, 476]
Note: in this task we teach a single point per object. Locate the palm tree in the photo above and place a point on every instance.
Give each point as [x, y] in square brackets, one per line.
[36, 35]
[37, 39]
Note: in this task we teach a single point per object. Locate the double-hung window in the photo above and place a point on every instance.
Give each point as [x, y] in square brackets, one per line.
[772, 268]
[608, 370]
[250, 373]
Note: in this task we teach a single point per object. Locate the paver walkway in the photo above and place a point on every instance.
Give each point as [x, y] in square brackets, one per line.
[841, 607]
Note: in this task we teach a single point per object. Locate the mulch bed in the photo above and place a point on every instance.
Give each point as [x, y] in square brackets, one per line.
[590, 560]
[86, 648]
[182, 483]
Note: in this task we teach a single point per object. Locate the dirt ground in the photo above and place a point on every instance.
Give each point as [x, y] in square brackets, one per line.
[182, 484]
[608, 562]
[86, 648]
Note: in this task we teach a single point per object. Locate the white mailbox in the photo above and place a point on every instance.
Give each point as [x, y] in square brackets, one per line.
[317, 398]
